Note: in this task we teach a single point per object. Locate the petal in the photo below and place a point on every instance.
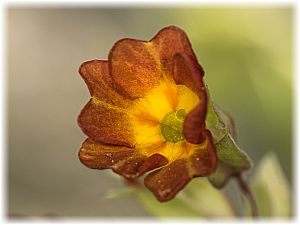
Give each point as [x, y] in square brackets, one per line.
[157, 103]
[169, 42]
[124, 161]
[204, 159]
[174, 151]
[129, 168]
[96, 155]
[139, 164]
[194, 122]
[106, 123]
[148, 138]
[95, 74]
[138, 66]
[153, 162]
[186, 99]
[166, 182]
[188, 73]
[133, 67]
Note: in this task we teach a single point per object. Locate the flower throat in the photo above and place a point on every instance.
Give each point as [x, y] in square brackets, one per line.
[172, 126]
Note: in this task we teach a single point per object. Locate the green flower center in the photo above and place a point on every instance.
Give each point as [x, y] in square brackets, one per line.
[172, 125]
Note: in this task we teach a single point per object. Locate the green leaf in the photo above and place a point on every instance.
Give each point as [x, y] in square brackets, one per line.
[118, 193]
[231, 159]
[271, 188]
[204, 198]
[197, 199]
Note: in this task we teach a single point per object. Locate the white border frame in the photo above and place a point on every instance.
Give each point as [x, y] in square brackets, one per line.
[145, 3]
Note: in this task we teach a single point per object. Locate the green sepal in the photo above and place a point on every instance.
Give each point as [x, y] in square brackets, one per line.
[230, 154]
[231, 159]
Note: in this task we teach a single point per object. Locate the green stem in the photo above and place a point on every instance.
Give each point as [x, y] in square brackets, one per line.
[248, 194]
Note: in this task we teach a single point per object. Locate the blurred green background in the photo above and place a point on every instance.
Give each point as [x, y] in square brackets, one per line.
[247, 54]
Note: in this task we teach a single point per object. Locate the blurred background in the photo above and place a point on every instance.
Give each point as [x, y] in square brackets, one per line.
[247, 54]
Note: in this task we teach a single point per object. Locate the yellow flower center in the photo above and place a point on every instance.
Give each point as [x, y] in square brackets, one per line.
[158, 121]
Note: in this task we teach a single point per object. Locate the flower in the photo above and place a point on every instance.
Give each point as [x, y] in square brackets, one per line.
[147, 113]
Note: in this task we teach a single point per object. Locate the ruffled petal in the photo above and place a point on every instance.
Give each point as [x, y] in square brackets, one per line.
[96, 75]
[203, 161]
[171, 41]
[138, 66]
[127, 162]
[166, 182]
[105, 117]
[153, 162]
[106, 123]
[194, 122]
[129, 168]
[187, 72]
[139, 164]
[133, 67]
[96, 155]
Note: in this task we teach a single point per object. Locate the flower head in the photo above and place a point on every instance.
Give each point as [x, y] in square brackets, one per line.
[147, 113]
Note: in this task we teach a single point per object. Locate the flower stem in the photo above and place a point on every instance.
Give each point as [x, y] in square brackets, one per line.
[248, 194]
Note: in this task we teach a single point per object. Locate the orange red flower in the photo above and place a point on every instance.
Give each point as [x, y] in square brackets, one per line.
[147, 113]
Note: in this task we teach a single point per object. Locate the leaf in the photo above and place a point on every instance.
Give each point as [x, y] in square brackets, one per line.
[231, 159]
[271, 188]
[118, 193]
[198, 199]
[204, 198]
